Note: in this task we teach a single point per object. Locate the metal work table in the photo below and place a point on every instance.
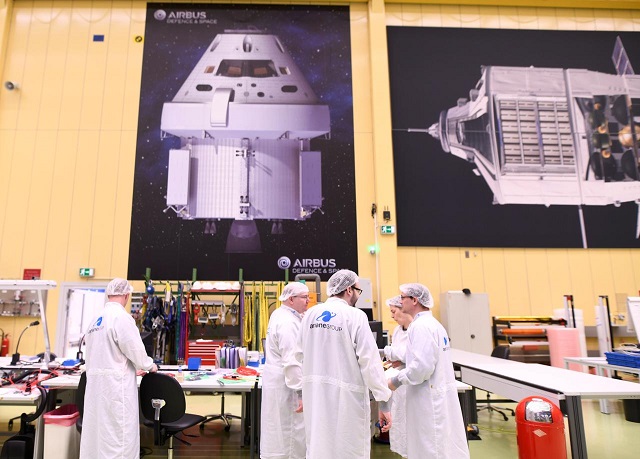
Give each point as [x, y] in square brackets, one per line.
[250, 388]
[600, 364]
[566, 388]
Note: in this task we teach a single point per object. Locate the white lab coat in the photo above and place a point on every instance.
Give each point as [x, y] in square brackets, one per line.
[398, 433]
[114, 350]
[281, 428]
[340, 364]
[434, 418]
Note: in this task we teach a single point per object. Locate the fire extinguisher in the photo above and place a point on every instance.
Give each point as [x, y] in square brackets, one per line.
[4, 350]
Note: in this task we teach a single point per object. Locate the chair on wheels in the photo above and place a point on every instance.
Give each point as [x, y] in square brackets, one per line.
[82, 386]
[502, 352]
[163, 407]
[226, 417]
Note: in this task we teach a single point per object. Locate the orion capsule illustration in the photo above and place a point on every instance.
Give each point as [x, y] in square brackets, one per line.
[245, 117]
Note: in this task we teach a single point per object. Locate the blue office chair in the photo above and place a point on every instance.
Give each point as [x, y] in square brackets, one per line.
[501, 351]
[163, 407]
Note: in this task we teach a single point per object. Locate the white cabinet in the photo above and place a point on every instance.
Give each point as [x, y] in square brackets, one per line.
[467, 320]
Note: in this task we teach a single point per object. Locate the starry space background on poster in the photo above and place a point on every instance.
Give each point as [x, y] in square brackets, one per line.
[318, 40]
[440, 201]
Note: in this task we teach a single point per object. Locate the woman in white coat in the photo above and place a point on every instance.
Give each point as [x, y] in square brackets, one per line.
[114, 351]
[341, 365]
[396, 353]
[282, 422]
[435, 428]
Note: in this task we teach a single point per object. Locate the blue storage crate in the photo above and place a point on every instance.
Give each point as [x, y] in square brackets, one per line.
[624, 359]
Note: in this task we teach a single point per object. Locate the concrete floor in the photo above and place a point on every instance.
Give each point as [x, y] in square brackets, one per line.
[608, 436]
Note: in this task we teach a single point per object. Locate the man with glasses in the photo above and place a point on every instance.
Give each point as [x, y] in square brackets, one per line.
[282, 423]
[340, 365]
[434, 418]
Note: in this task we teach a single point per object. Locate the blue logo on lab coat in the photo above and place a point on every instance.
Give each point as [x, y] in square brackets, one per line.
[326, 316]
[445, 340]
[98, 322]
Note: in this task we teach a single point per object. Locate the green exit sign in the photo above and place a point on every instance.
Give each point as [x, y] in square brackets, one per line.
[387, 229]
[87, 272]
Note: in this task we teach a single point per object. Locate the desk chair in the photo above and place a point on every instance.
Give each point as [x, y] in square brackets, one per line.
[82, 386]
[163, 407]
[226, 417]
[502, 352]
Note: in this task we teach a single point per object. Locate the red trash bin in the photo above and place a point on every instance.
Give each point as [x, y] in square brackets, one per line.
[540, 429]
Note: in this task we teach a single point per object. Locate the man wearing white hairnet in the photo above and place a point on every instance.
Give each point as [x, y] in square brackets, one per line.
[340, 365]
[282, 422]
[434, 418]
[114, 351]
[396, 353]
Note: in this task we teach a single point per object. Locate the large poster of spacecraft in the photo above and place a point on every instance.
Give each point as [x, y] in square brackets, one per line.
[245, 143]
[515, 138]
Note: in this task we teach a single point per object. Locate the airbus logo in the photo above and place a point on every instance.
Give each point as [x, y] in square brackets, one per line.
[188, 15]
[183, 17]
[308, 265]
[284, 262]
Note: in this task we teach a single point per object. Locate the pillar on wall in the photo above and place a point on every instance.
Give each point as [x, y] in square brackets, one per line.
[387, 247]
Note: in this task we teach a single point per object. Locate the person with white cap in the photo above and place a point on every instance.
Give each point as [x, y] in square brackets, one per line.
[282, 422]
[434, 418]
[396, 353]
[114, 352]
[340, 365]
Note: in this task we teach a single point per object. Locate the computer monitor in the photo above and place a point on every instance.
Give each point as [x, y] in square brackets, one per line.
[147, 340]
[376, 329]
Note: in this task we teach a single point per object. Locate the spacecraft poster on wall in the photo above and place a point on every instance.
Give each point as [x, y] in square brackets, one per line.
[515, 138]
[244, 154]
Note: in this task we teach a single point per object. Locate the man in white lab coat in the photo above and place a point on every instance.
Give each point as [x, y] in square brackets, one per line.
[396, 353]
[435, 428]
[114, 351]
[282, 422]
[340, 365]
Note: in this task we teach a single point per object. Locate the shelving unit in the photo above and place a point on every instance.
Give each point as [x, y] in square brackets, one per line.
[206, 331]
[185, 318]
[527, 336]
[27, 298]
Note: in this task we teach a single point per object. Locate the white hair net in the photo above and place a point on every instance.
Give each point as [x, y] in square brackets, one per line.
[395, 302]
[293, 289]
[119, 286]
[419, 292]
[340, 281]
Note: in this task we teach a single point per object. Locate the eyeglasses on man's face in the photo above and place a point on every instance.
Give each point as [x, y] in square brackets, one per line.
[402, 297]
[359, 290]
[304, 297]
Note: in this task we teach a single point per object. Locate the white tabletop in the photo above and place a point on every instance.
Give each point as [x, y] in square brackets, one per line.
[207, 383]
[565, 381]
[462, 387]
[601, 362]
[472, 359]
[11, 396]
